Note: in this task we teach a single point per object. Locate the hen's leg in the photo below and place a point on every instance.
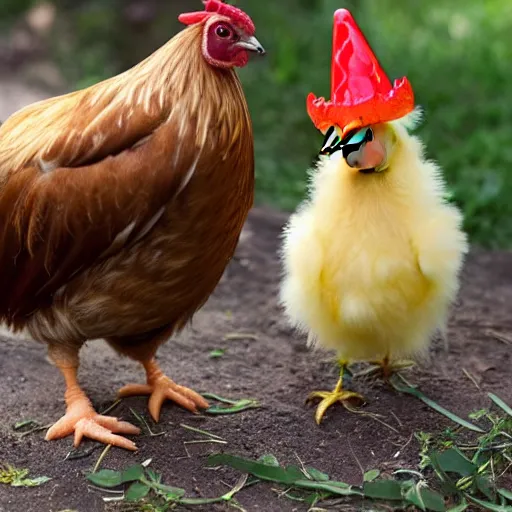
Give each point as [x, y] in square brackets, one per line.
[161, 388]
[80, 418]
[347, 398]
[158, 386]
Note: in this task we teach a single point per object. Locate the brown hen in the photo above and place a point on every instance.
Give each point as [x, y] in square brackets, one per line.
[122, 204]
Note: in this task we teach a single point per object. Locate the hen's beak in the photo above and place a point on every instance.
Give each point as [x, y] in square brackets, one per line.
[252, 44]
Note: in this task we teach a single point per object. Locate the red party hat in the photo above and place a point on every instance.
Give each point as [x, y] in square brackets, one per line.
[361, 93]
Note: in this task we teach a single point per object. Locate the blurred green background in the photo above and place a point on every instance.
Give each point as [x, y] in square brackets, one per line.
[456, 53]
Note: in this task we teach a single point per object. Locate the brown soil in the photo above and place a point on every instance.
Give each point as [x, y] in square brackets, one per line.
[275, 368]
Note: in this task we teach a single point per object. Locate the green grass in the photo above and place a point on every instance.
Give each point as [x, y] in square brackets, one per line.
[456, 54]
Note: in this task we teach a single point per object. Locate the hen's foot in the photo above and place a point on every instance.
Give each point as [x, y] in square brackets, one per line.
[385, 368]
[161, 388]
[82, 420]
[348, 399]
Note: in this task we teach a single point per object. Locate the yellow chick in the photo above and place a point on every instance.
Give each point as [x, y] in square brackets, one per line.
[371, 259]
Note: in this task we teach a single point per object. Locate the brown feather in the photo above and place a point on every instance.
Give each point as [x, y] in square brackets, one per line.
[121, 205]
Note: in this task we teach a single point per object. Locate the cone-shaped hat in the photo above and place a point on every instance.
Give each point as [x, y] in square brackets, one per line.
[361, 93]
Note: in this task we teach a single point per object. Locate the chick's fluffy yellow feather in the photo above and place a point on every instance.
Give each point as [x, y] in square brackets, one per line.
[371, 262]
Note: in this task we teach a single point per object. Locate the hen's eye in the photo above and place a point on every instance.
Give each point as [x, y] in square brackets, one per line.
[223, 32]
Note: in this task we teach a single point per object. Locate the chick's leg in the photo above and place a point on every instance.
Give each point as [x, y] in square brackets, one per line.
[347, 398]
[158, 386]
[81, 418]
[386, 368]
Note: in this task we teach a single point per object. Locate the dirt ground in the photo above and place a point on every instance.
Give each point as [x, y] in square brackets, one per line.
[275, 368]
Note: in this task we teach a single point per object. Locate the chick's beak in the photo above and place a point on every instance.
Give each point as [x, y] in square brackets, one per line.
[251, 44]
[371, 155]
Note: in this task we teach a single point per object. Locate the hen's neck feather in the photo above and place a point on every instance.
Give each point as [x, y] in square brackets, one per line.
[174, 83]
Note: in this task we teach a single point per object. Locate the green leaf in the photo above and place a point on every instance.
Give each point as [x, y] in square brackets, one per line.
[453, 461]
[105, 478]
[432, 500]
[312, 499]
[15, 477]
[317, 475]
[481, 457]
[506, 494]
[10, 474]
[477, 415]
[383, 489]
[154, 476]
[422, 497]
[340, 485]
[399, 386]
[371, 475]
[484, 486]
[200, 501]
[172, 493]
[239, 406]
[413, 495]
[137, 491]
[219, 352]
[287, 475]
[459, 508]
[338, 488]
[293, 472]
[269, 460]
[490, 506]
[500, 403]
[219, 398]
[132, 474]
[25, 423]
[30, 482]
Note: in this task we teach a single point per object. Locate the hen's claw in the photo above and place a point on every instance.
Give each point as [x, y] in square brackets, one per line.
[161, 388]
[82, 420]
[164, 389]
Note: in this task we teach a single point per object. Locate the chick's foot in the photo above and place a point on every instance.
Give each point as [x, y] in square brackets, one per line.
[348, 399]
[82, 420]
[161, 388]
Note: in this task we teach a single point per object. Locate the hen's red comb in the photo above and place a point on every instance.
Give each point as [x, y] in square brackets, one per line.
[211, 7]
